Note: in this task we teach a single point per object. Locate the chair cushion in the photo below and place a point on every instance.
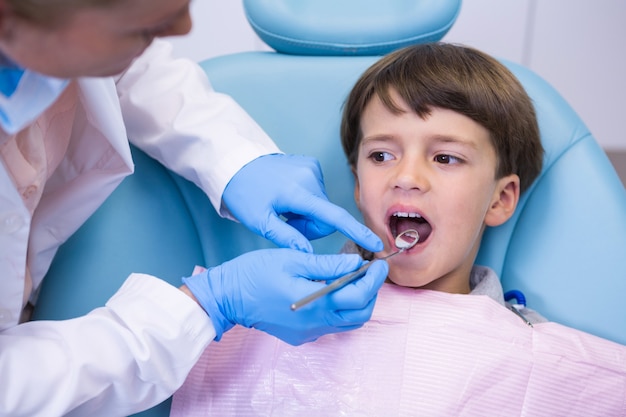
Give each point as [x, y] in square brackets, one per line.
[331, 27]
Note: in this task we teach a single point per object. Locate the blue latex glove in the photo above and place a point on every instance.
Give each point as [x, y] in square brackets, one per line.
[257, 289]
[290, 186]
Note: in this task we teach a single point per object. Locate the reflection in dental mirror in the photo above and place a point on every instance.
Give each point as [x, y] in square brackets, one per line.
[407, 239]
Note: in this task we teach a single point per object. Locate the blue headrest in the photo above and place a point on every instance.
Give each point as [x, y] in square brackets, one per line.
[331, 27]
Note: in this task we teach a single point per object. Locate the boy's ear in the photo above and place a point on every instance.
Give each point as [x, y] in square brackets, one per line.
[504, 201]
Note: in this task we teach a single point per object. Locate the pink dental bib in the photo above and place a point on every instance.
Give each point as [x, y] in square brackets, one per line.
[423, 353]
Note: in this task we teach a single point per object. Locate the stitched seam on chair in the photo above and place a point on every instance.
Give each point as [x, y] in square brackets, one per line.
[585, 134]
[342, 47]
[520, 209]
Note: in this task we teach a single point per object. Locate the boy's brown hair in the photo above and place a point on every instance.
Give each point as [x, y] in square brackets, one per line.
[461, 79]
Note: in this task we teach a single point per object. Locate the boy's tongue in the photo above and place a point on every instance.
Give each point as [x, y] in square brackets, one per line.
[405, 223]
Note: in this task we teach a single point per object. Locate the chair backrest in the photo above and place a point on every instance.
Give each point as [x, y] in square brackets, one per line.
[564, 248]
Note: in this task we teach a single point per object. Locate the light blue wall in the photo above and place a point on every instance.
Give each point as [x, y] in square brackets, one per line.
[576, 45]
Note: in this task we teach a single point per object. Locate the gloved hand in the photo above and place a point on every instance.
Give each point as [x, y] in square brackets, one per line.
[290, 186]
[257, 289]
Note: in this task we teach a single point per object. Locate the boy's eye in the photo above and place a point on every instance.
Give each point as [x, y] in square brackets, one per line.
[447, 159]
[380, 156]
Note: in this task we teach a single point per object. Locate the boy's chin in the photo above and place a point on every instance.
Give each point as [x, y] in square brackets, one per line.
[396, 279]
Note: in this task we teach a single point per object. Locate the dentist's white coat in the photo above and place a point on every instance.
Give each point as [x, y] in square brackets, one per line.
[137, 350]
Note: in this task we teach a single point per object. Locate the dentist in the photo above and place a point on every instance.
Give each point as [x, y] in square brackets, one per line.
[78, 80]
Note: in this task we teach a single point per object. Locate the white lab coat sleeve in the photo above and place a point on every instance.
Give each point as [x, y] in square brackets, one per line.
[117, 360]
[173, 114]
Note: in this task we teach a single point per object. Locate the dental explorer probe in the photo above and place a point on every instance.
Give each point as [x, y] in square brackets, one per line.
[405, 240]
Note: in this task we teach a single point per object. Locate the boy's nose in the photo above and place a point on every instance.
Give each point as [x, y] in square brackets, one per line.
[411, 174]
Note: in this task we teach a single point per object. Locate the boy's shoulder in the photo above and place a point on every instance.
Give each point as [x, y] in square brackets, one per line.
[484, 281]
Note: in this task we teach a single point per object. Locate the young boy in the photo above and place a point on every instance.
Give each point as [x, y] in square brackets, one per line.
[442, 139]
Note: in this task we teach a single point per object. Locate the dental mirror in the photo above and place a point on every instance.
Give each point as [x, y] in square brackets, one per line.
[407, 239]
[404, 241]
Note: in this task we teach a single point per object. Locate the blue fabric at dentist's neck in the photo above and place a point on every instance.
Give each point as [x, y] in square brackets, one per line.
[9, 79]
[10, 76]
[24, 95]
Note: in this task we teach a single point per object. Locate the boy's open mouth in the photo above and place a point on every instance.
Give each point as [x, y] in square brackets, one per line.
[401, 221]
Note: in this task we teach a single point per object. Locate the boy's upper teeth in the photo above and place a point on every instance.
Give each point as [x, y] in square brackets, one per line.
[405, 214]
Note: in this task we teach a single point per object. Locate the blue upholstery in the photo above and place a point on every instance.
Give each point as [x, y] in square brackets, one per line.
[565, 247]
[349, 27]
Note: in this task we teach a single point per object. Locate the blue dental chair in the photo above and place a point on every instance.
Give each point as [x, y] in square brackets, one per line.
[565, 248]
